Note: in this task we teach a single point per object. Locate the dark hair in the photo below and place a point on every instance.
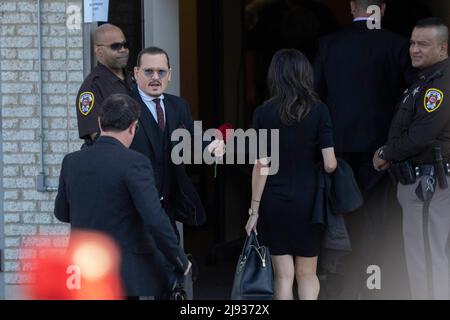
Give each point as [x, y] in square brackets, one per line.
[290, 81]
[152, 51]
[364, 4]
[118, 112]
[430, 22]
[434, 22]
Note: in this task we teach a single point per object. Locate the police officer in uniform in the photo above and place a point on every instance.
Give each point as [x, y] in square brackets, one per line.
[417, 155]
[107, 78]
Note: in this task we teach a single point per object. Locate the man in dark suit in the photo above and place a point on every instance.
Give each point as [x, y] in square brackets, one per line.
[360, 73]
[161, 115]
[111, 189]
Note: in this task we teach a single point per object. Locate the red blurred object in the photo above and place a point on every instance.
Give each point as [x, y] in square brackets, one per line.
[226, 131]
[88, 270]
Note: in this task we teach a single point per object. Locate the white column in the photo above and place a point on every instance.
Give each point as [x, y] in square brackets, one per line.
[161, 29]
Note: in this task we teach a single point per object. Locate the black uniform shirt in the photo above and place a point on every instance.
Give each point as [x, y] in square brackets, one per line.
[422, 121]
[99, 84]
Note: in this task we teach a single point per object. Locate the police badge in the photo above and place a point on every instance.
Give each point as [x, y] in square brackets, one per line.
[86, 103]
[433, 99]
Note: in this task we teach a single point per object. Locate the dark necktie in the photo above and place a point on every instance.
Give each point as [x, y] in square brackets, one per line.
[159, 113]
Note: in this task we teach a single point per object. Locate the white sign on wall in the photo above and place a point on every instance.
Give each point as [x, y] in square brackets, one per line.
[96, 10]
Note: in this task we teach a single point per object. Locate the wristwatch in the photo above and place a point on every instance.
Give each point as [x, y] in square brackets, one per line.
[252, 212]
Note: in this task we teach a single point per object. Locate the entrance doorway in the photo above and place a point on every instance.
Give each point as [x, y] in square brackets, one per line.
[127, 15]
[225, 47]
[225, 50]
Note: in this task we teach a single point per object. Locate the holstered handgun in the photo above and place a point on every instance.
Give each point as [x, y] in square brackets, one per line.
[394, 172]
[427, 186]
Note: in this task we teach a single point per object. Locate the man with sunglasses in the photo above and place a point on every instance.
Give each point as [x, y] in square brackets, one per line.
[161, 115]
[107, 78]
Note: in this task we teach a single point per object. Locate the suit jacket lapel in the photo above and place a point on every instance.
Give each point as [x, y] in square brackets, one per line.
[171, 116]
[148, 123]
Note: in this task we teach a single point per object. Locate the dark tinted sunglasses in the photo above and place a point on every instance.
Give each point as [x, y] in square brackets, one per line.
[116, 46]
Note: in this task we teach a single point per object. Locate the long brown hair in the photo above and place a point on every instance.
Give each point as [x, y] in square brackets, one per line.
[290, 81]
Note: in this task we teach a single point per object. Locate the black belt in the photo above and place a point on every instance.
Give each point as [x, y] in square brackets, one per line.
[407, 173]
[427, 169]
[424, 170]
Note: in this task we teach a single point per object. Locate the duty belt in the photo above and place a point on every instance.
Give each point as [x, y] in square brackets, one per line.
[426, 169]
[407, 173]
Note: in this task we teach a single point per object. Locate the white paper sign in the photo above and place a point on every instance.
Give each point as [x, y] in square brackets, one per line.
[96, 10]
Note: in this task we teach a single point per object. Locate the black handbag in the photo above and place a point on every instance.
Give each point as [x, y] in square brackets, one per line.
[253, 279]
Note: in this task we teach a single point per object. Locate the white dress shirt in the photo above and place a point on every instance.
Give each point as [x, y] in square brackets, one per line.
[151, 105]
[360, 19]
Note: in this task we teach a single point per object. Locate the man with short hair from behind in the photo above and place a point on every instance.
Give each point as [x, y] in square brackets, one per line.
[360, 73]
[111, 189]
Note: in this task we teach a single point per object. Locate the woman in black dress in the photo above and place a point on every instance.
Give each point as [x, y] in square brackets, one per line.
[282, 204]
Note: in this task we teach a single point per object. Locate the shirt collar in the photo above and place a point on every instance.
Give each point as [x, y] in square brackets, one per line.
[360, 19]
[110, 140]
[434, 68]
[146, 98]
[112, 77]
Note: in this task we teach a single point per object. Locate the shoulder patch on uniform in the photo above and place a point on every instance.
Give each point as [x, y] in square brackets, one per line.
[86, 102]
[433, 99]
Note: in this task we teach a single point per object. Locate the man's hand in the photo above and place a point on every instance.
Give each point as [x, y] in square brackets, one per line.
[217, 148]
[380, 164]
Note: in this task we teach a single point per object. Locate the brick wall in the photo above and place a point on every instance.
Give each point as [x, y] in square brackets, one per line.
[26, 212]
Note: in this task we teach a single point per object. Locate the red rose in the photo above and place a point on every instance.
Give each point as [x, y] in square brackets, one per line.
[226, 131]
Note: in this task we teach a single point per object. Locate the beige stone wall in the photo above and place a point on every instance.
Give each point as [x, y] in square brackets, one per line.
[24, 212]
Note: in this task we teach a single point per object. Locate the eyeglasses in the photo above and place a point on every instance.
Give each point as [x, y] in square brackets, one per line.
[116, 46]
[161, 73]
[137, 126]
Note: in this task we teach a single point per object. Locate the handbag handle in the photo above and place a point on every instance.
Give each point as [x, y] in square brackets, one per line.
[249, 241]
[252, 243]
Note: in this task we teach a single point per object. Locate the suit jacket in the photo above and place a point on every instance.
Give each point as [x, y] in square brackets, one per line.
[360, 75]
[336, 195]
[181, 200]
[111, 189]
